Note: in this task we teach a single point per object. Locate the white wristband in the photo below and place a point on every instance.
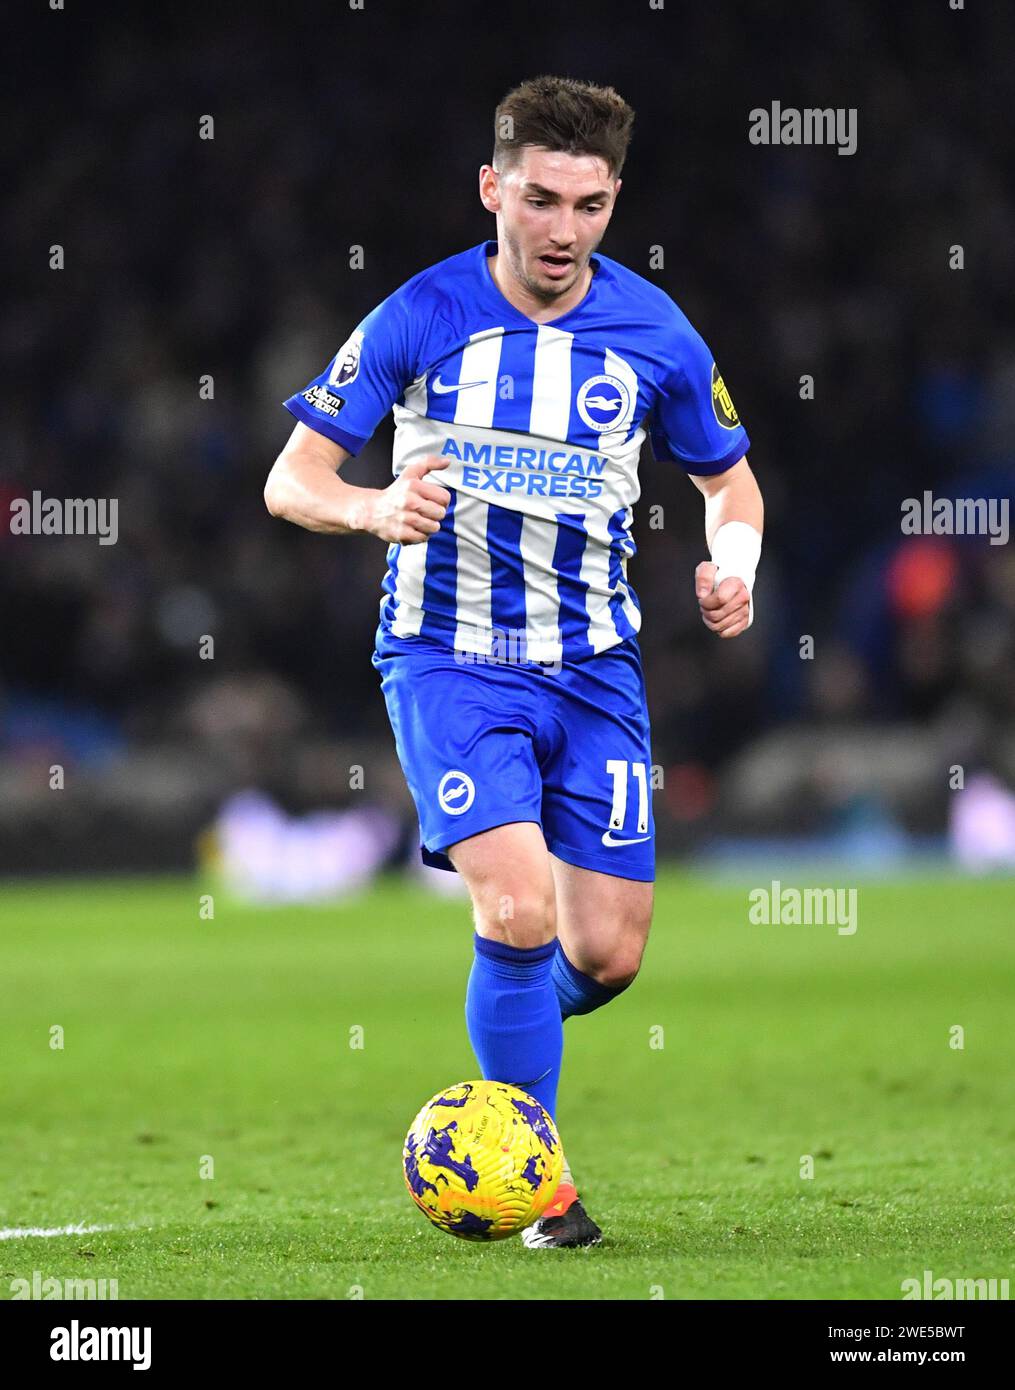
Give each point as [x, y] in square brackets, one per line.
[736, 549]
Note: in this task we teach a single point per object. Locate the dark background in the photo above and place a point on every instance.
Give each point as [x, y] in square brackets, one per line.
[337, 128]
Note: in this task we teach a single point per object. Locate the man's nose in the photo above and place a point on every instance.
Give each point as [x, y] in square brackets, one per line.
[564, 233]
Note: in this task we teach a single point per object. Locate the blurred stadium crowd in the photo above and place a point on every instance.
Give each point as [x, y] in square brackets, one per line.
[230, 258]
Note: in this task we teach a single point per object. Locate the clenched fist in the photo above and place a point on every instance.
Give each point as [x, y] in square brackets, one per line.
[410, 509]
[725, 610]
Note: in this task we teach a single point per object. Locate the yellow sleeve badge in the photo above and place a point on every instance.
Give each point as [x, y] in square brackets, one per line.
[722, 402]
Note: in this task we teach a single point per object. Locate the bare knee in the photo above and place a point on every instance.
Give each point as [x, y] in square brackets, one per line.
[614, 961]
[519, 914]
[512, 888]
[619, 970]
[603, 923]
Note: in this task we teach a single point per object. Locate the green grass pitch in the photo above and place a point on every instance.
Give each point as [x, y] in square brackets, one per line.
[231, 1038]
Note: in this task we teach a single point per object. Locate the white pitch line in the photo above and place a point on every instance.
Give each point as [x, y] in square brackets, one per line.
[21, 1232]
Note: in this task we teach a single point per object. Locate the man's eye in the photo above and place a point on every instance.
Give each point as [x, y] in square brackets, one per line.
[594, 207]
[537, 202]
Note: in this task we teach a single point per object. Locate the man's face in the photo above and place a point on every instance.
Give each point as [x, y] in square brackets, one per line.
[552, 210]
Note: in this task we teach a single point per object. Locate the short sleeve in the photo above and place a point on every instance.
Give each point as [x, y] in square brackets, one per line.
[694, 421]
[364, 379]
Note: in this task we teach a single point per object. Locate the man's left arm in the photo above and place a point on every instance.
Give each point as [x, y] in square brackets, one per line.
[734, 520]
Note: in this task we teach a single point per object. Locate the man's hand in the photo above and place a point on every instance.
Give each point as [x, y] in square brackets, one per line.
[304, 488]
[410, 509]
[726, 610]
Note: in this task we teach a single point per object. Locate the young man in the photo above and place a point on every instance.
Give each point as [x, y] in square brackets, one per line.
[524, 375]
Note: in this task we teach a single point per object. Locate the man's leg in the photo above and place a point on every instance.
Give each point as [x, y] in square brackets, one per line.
[602, 926]
[511, 1007]
[513, 1011]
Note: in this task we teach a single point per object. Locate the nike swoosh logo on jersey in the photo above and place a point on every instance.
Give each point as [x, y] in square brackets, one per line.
[611, 843]
[440, 389]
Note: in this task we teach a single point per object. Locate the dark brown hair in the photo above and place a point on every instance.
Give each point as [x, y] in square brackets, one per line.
[561, 113]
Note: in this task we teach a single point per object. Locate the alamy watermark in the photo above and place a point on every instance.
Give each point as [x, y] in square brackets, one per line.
[789, 125]
[67, 516]
[966, 1290]
[508, 646]
[78, 1343]
[40, 1287]
[779, 906]
[956, 516]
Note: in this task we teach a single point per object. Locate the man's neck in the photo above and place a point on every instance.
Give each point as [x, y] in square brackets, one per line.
[530, 304]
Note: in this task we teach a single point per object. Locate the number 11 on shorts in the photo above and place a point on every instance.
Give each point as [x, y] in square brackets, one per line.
[618, 770]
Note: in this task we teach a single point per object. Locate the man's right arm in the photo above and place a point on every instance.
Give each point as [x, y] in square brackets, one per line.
[304, 487]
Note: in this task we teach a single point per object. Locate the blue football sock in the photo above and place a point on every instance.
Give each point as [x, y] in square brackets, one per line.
[577, 992]
[514, 1019]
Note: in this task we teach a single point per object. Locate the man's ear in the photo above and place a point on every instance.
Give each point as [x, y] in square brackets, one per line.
[489, 188]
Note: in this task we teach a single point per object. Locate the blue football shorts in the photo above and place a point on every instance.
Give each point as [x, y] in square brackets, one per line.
[485, 743]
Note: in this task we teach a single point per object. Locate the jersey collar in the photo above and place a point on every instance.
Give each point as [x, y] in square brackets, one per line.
[494, 294]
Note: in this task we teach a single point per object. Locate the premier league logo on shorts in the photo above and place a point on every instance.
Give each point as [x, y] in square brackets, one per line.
[456, 792]
[604, 403]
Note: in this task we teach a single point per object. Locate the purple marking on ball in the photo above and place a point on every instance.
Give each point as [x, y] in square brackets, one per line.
[446, 1100]
[416, 1181]
[530, 1172]
[437, 1150]
[468, 1224]
[534, 1117]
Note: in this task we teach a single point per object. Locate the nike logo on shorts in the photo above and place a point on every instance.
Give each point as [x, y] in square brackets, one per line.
[611, 843]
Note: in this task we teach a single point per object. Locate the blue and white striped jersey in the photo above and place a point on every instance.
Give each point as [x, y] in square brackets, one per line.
[542, 426]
